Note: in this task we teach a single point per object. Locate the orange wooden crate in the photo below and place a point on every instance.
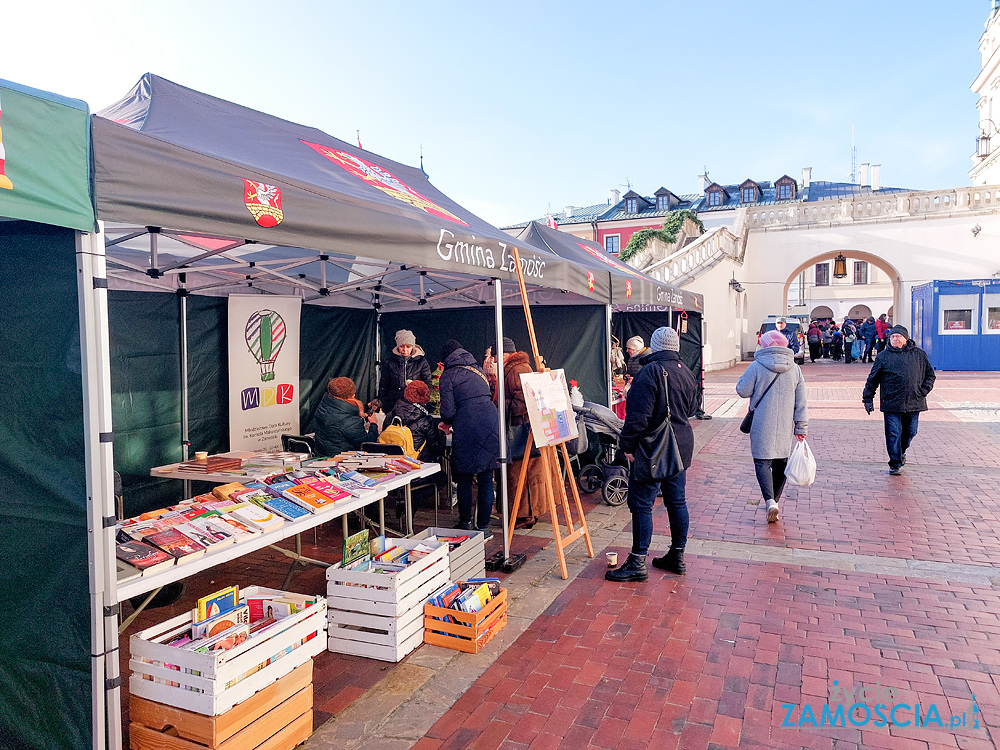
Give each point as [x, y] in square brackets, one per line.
[471, 631]
[279, 717]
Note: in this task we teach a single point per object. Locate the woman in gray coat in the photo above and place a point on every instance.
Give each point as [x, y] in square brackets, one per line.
[779, 413]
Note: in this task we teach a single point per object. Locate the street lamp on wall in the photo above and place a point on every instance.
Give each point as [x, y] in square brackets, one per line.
[840, 267]
[983, 139]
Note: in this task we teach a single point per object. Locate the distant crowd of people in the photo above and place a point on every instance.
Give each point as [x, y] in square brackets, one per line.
[848, 341]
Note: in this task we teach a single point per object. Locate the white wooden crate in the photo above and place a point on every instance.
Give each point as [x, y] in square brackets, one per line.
[202, 678]
[380, 615]
[467, 560]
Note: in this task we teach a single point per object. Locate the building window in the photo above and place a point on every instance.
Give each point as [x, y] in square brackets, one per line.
[631, 205]
[749, 195]
[959, 314]
[861, 272]
[822, 274]
[784, 192]
[611, 243]
[663, 203]
[715, 198]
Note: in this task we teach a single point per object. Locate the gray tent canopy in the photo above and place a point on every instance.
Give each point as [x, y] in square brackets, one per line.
[627, 286]
[189, 166]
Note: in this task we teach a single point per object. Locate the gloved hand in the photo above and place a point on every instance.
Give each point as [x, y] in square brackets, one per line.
[869, 406]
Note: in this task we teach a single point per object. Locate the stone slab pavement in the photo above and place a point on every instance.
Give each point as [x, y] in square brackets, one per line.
[874, 590]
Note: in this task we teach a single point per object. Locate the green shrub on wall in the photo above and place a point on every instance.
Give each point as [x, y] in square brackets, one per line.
[667, 233]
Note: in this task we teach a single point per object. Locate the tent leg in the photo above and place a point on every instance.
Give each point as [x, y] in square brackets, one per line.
[99, 461]
[501, 408]
[607, 350]
[185, 413]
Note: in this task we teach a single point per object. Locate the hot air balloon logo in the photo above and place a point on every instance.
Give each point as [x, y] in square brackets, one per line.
[265, 333]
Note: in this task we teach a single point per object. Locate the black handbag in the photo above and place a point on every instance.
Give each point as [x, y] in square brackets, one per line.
[665, 459]
[748, 419]
[517, 441]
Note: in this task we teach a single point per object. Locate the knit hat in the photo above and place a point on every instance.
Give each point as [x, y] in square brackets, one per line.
[773, 338]
[341, 388]
[448, 347]
[900, 330]
[405, 337]
[665, 340]
[635, 343]
[417, 392]
[508, 346]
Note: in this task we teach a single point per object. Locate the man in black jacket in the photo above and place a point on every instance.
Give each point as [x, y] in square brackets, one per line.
[663, 381]
[906, 377]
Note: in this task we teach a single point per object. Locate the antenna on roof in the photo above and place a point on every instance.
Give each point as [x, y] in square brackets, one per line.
[422, 161]
[854, 157]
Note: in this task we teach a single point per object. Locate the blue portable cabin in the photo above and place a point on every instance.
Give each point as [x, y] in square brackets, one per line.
[958, 323]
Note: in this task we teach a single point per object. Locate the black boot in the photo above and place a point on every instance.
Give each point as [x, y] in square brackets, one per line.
[672, 562]
[634, 569]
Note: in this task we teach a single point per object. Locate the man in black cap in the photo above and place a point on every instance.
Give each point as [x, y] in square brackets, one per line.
[793, 338]
[906, 377]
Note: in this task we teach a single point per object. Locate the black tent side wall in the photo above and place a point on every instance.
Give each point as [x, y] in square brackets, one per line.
[625, 325]
[335, 342]
[45, 689]
[570, 337]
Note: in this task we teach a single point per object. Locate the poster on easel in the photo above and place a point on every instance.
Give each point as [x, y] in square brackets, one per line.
[550, 411]
[263, 370]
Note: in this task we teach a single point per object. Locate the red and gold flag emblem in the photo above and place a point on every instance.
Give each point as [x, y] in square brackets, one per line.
[590, 280]
[628, 289]
[263, 202]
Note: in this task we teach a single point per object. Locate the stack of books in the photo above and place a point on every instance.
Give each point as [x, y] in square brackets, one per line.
[212, 465]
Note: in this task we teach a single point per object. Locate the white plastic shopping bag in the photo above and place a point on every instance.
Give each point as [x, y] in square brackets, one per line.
[801, 466]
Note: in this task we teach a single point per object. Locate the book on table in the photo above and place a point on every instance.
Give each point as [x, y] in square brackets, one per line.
[285, 508]
[327, 487]
[205, 535]
[241, 531]
[224, 491]
[176, 543]
[309, 498]
[145, 557]
[258, 517]
[126, 572]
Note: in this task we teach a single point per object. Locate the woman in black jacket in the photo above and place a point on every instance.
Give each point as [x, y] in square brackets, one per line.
[664, 380]
[412, 413]
[405, 364]
[338, 423]
[468, 411]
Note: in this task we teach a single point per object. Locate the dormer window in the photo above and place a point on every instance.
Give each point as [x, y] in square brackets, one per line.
[749, 195]
[716, 195]
[715, 198]
[665, 200]
[632, 205]
[785, 188]
[663, 203]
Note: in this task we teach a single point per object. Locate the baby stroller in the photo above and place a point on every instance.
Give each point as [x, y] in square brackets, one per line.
[603, 467]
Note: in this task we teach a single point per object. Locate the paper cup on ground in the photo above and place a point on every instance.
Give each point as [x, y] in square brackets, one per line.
[612, 559]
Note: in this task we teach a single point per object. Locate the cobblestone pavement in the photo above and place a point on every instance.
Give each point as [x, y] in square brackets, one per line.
[868, 583]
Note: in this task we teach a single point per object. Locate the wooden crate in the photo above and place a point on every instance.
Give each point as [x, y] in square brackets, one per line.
[379, 615]
[279, 717]
[213, 683]
[472, 631]
[467, 560]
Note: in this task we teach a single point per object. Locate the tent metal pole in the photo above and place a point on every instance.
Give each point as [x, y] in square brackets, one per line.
[607, 350]
[501, 409]
[99, 463]
[378, 346]
[185, 413]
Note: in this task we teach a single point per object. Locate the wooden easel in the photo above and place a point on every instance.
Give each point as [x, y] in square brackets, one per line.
[554, 485]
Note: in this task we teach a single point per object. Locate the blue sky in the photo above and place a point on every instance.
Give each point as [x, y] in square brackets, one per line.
[520, 106]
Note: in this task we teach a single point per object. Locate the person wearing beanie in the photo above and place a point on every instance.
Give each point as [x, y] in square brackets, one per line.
[637, 352]
[777, 393]
[515, 364]
[412, 412]
[404, 364]
[904, 374]
[663, 386]
[339, 423]
[468, 412]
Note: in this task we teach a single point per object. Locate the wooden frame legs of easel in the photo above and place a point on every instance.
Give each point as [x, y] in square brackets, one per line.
[554, 487]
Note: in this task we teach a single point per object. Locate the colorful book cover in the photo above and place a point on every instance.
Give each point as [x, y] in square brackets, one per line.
[176, 543]
[221, 622]
[224, 641]
[277, 488]
[200, 533]
[225, 491]
[308, 498]
[258, 517]
[257, 606]
[285, 508]
[356, 547]
[241, 531]
[217, 603]
[145, 557]
[328, 488]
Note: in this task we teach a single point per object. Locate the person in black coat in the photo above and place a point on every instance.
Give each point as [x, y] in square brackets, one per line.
[405, 364]
[793, 337]
[637, 352]
[338, 423]
[869, 332]
[411, 411]
[663, 380]
[850, 332]
[905, 377]
[468, 411]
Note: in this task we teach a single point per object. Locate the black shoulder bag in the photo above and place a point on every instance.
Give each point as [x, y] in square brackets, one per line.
[661, 445]
[748, 419]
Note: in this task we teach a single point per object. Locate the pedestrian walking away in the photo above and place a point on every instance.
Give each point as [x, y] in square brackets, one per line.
[905, 377]
[777, 393]
[868, 332]
[664, 386]
[814, 337]
[850, 332]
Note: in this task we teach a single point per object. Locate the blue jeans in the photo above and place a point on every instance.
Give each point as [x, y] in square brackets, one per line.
[484, 482]
[900, 429]
[642, 497]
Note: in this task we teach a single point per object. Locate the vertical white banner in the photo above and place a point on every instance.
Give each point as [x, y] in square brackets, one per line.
[263, 370]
